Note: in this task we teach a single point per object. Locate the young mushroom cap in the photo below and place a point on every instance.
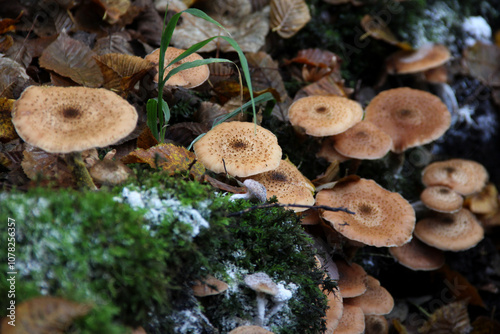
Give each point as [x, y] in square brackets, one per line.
[363, 141]
[322, 116]
[427, 57]
[382, 218]
[72, 119]
[376, 324]
[352, 321]
[188, 78]
[463, 176]
[441, 199]
[450, 231]
[240, 148]
[261, 282]
[288, 185]
[418, 256]
[411, 117]
[376, 299]
[352, 279]
[110, 172]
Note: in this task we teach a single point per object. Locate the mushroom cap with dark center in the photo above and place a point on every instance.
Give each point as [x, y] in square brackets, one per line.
[70, 119]
[409, 116]
[427, 57]
[441, 199]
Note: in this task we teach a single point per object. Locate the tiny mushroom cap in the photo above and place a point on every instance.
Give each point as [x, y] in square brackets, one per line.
[463, 176]
[188, 78]
[427, 57]
[209, 286]
[110, 172]
[322, 116]
[411, 117]
[240, 148]
[72, 119]
[382, 218]
[376, 324]
[418, 256]
[288, 185]
[352, 321]
[250, 330]
[376, 299]
[441, 199]
[450, 231]
[334, 312]
[352, 279]
[261, 283]
[363, 141]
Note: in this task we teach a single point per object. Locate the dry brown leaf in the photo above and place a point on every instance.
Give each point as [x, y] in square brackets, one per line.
[146, 139]
[185, 132]
[45, 314]
[121, 72]
[113, 9]
[6, 43]
[483, 62]
[209, 112]
[317, 57]
[71, 58]
[485, 325]
[377, 28]
[114, 43]
[460, 287]
[58, 80]
[12, 75]
[288, 16]
[168, 157]
[452, 318]
[328, 85]
[7, 130]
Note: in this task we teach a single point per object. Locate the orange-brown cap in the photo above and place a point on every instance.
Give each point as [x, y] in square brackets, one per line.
[376, 299]
[411, 117]
[322, 116]
[209, 286]
[334, 311]
[328, 152]
[250, 330]
[484, 202]
[418, 256]
[450, 231]
[352, 279]
[188, 78]
[427, 57]
[71, 119]
[382, 218]
[363, 141]
[288, 185]
[243, 148]
[376, 324]
[441, 199]
[463, 176]
[352, 321]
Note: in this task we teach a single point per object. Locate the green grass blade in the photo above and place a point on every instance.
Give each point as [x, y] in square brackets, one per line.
[152, 119]
[195, 63]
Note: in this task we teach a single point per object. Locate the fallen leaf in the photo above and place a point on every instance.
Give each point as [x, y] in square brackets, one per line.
[7, 25]
[317, 57]
[452, 318]
[7, 130]
[113, 9]
[330, 84]
[117, 42]
[185, 132]
[377, 28]
[485, 325]
[71, 58]
[12, 75]
[209, 112]
[288, 16]
[146, 139]
[6, 43]
[223, 186]
[483, 62]
[484, 202]
[460, 287]
[45, 314]
[169, 157]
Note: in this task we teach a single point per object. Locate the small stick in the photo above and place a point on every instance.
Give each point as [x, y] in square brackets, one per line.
[276, 205]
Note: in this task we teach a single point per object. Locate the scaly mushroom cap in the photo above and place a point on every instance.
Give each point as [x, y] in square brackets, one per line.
[245, 149]
[288, 185]
[261, 282]
[450, 231]
[322, 116]
[463, 176]
[352, 321]
[188, 78]
[418, 256]
[441, 199]
[334, 312]
[382, 218]
[376, 299]
[71, 119]
[427, 57]
[409, 116]
[352, 279]
[363, 141]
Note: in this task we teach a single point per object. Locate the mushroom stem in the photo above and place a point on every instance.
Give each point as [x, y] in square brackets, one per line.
[79, 171]
[261, 308]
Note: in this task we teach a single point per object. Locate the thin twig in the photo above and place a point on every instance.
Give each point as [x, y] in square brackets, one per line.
[277, 205]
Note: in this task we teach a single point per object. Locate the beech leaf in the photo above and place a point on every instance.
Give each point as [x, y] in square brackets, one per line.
[289, 16]
[7, 130]
[71, 58]
[12, 75]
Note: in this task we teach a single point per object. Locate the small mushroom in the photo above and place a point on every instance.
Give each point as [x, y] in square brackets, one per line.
[255, 190]
[352, 321]
[429, 56]
[262, 284]
[110, 172]
[441, 199]
[376, 299]
[352, 279]
[418, 256]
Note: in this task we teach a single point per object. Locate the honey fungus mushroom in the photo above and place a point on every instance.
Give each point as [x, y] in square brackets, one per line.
[240, 148]
[429, 56]
[441, 199]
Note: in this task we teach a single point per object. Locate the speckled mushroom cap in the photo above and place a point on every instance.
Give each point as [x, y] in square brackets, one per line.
[427, 57]
[376, 299]
[250, 330]
[382, 218]
[352, 321]
[418, 256]
[334, 311]
[288, 185]
[363, 141]
[411, 117]
[188, 78]
[323, 116]
[351, 279]
[463, 176]
[71, 119]
[450, 231]
[246, 149]
[441, 199]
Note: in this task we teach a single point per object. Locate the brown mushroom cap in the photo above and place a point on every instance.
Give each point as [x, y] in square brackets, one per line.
[261, 282]
[409, 116]
[72, 119]
[288, 185]
[352, 279]
[352, 321]
[334, 311]
[245, 149]
[322, 116]
[328, 152]
[441, 199]
[418, 256]
[463, 176]
[376, 299]
[382, 218]
[427, 57]
[110, 172]
[376, 324]
[188, 78]
[484, 202]
[450, 231]
[250, 330]
[363, 141]
[208, 287]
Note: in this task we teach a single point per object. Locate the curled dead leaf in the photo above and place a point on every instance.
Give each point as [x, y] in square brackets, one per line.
[12, 76]
[7, 130]
[452, 318]
[377, 28]
[288, 16]
[113, 9]
[209, 112]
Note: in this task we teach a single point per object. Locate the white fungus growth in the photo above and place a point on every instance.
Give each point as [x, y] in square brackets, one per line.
[476, 29]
